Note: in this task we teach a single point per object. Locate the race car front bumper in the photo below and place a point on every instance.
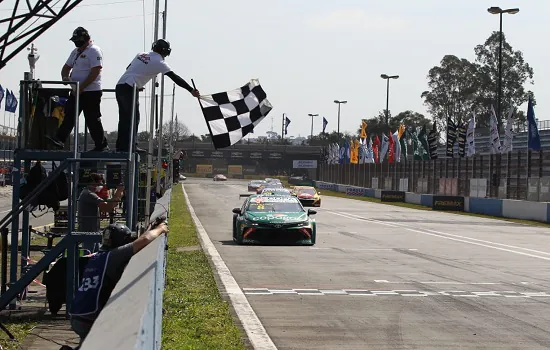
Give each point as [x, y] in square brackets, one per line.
[277, 234]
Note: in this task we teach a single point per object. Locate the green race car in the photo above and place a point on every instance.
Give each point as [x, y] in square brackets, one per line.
[273, 219]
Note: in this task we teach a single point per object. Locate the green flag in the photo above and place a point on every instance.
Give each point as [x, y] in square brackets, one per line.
[423, 140]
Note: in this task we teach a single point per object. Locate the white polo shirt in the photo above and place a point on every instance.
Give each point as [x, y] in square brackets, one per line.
[82, 63]
[144, 67]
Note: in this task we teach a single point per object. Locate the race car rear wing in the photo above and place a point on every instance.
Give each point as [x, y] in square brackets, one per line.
[244, 195]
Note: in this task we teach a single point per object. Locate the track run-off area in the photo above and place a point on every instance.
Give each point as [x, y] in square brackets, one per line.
[388, 277]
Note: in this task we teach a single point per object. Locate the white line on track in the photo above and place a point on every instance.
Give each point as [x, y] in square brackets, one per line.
[449, 236]
[251, 323]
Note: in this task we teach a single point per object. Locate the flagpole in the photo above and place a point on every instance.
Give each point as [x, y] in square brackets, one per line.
[151, 127]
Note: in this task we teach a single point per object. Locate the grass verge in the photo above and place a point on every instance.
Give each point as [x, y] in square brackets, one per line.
[195, 315]
[421, 207]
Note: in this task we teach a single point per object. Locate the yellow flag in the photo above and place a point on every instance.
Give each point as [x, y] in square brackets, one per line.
[354, 153]
[401, 131]
[363, 129]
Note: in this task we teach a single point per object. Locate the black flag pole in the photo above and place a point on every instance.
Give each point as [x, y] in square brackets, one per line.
[202, 111]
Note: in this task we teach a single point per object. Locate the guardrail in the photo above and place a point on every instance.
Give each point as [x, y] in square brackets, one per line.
[132, 318]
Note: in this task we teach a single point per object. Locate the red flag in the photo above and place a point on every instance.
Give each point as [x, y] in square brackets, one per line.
[375, 148]
[391, 149]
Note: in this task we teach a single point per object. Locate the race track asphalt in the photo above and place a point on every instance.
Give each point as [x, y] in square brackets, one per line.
[386, 277]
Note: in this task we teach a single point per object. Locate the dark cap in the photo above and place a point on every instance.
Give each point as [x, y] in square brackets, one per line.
[80, 33]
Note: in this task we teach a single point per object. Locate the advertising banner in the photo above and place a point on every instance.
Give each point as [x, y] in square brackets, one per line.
[392, 196]
[204, 169]
[235, 169]
[304, 164]
[450, 203]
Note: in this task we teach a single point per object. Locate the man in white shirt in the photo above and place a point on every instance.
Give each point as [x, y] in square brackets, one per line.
[144, 67]
[84, 65]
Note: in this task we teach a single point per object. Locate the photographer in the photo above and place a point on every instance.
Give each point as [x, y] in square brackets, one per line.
[104, 270]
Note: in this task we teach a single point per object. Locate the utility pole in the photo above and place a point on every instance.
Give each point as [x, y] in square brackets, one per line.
[311, 133]
[387, 78]
[151, 128]
[339, 103]
[160, 136]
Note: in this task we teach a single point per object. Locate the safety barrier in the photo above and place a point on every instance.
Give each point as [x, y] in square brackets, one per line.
[509, 208]
[132, 319]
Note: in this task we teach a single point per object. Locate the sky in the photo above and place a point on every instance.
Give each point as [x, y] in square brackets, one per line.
[305, 53]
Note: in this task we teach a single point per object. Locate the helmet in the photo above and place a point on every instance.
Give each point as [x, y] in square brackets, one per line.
[80, 34]
[162, 47]
[116, 235]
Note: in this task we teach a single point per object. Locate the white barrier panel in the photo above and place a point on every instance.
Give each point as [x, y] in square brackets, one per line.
[414, 198]
[524, 210]
[132, 318]
[378, 194]
[342, 188]
[404, 185]
[375, 182]
[478, 188]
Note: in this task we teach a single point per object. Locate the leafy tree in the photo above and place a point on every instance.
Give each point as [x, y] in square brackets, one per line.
[515, 73]
[324, 139]
[453, 90]
[179, 131]
[377, 125]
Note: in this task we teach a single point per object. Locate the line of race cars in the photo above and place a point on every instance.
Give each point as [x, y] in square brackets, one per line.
[275, 214]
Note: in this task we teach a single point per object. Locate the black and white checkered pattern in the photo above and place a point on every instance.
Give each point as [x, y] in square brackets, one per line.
[233, 114]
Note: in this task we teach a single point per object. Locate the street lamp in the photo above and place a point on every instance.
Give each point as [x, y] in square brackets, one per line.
[339, 103]
[311, 135]
[388, 77]
[498, 11]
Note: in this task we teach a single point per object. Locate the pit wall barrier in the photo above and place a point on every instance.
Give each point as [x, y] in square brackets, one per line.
[132, 318]
[508, 208]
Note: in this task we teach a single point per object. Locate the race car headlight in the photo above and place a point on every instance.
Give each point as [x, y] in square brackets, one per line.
[303, 223]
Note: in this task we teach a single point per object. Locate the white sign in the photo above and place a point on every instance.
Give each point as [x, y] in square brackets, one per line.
[304, 164]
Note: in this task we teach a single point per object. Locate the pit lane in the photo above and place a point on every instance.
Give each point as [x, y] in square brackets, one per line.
[384, 277]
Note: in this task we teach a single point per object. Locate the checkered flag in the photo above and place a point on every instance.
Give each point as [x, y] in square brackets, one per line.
[232, 115]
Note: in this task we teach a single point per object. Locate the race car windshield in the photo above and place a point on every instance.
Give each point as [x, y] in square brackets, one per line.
[288, 207]
[308, 191]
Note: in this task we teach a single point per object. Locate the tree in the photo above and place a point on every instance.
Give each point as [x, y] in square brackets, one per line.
[143, 136]
[179, 132]
[377, 125]
[515, 73]
[454, 86]
[206, 138]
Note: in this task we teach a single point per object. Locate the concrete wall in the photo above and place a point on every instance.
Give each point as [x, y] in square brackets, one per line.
[132, 319]
[514, 209]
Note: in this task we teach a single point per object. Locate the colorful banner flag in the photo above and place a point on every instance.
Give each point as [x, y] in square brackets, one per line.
[433, 140]
[451, 137]
[325, 122]
[494, 134]
[509, 132]
[423, 138]
[470, 136]
[462, 139]
[534, 137]
[363, 129]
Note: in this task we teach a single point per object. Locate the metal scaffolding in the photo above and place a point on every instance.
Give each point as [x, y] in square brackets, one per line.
[21, 33]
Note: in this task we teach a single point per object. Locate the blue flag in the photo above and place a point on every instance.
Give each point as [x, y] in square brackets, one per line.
[287, 122]
[1, 94]
[534, 138]
[325, 122]
[8, 102]
[14, 103]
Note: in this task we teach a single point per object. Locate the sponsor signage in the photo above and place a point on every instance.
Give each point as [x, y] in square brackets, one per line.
[392, 196]
[198, 154]
[115, 176]
[275, 155]
[249, 169]
[256, 155]
[237, 155]
[217, 154]
[450, 203]
[304, 164]
[326, 186]
[235, 169]
[355, 191]
[220, 169]
[204, 169]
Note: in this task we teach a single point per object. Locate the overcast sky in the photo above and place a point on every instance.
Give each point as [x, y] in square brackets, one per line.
[306, 53]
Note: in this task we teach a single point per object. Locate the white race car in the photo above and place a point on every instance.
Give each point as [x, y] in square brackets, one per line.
[220, 177]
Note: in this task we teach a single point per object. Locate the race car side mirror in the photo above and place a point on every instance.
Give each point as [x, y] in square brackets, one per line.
[311, 212]
[237, 211]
